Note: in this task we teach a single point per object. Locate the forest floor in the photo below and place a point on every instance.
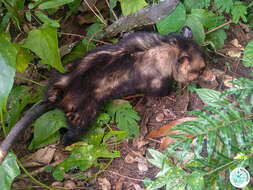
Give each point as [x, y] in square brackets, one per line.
[128, 171]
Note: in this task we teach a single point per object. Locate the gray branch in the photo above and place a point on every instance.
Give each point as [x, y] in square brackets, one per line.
[146, 16]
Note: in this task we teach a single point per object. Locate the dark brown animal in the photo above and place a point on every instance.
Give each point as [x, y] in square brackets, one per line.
[140, 63]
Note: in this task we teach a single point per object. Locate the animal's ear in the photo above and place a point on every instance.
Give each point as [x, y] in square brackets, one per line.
[186, 32]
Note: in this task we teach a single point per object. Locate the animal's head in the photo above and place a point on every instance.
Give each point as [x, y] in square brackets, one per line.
[190, 61]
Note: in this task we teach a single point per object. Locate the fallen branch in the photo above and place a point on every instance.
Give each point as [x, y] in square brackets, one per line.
[146, 16]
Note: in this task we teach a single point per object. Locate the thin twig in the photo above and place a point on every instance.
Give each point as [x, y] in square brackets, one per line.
[218, 27]
[134, 179]
[101, 19]
[70, 34]
[115, 16]
[101, 16]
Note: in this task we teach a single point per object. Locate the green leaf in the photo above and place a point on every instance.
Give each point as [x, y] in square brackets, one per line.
[224, 5]
[45, 128]
[45, 19]
[173, 22]
[131, 6]
[248, 55]
[83, 157]
[8, 171]
[4, 21]
[158, 159]
[195, 181]
[207, 18]
[197, 28]
[19, 98]
[210, 97]
[79, 50]
[196, 4]
[94, 31]
[40, 41]
[116, 136]
[53, 3]
[24, 57]
[126, 117]
[94, 136]
[217, 38]
[8, 55]
[239, 10]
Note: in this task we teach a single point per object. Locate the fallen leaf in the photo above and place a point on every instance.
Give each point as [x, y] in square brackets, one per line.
[166, 142]
[104, 183]
[40, 158]
[69, 184]
[165, 130]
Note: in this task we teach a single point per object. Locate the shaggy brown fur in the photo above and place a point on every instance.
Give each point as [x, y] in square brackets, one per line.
[141, 63]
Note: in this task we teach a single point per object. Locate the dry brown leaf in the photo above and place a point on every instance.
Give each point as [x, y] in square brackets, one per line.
[166, 141]
[40, 158]
[104, 183]
[165, 130]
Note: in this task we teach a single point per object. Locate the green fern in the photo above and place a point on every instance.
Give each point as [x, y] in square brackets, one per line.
[221, 137]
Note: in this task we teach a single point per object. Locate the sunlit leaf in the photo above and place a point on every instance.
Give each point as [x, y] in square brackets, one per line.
[54, 3]
[40, 41]
[8, 55]
[8, 171]
[46, 128]
[248, 55]
[173, 22]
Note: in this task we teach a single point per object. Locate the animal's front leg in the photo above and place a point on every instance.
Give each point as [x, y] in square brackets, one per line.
[80, 122]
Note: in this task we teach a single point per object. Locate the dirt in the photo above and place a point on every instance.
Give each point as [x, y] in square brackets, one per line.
[129, 171]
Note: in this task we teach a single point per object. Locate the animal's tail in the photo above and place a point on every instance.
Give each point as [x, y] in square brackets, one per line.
[21, 125]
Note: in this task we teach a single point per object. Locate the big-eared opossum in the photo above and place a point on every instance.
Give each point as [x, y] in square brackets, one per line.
[142, 62]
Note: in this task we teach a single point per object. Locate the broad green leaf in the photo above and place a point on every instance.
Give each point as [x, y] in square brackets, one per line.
[94, 136]
[217, 38]
[223, 5]
[248, 55]
[126, 117]
[53, 3]
[196, 4]
[79, 50]
[8, 55]
[45, 19]
[239, 10]
[207, 18]
[83, 157]
[4, 21]
[131, 6]
[210, 97]
[158, 159]
[195, 181]
[45, 128]
[94, 31]
[19, 98]
[176, 179]
[40, 41]
[24, 57]
[197, 28]
[8, 171]
[116, 136]
[173, 22]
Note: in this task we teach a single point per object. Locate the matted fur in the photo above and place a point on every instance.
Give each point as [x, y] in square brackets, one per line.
[141, 63]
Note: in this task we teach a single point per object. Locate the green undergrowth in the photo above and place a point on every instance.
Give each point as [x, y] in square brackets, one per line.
[221, 137]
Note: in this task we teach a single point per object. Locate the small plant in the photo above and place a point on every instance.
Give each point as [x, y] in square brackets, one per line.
[221, 139]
